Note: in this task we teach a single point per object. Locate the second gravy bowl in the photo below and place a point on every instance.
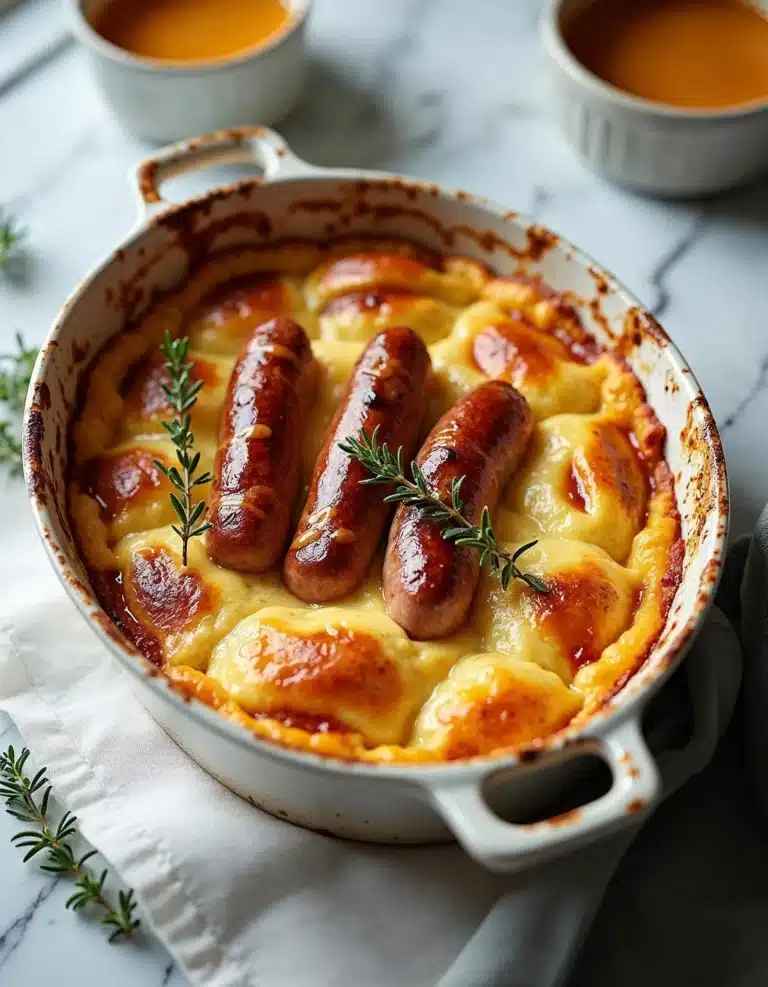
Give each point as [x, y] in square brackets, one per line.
[650, 147]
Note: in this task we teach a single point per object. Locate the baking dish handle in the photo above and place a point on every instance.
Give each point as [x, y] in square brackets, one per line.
[259, 146]
[506, 846]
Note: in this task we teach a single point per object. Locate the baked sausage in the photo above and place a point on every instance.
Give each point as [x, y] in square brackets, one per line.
[343, 520]
[428, 582]
[256, 472]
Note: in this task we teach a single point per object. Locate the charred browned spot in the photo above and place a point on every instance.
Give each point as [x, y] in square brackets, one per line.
[346, 666]
[34, 430]
[540, 240]
[517, 351]
[382, 213]
[614, 465]
[513, 713]
[526, 292]
[595, 306]
[357, 302]
[79, 353]
[636, 327]
[132, 294]
[701, 440]
[711, 572]
[245, 298]
[121, 478]
[170, 598]
[108, 587]
[573, 610]
[601, 283]
[389, 245]
[648, 435]
[672, 575]
[637, 805]
[144, 392]
[349, 273]
[198, 241]
[671, 385]
[147, 179]
[44, 396]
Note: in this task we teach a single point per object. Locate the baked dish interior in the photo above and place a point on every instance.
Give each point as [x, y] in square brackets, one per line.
[343, 678]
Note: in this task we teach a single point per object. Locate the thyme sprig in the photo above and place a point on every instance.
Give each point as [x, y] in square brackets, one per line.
[11, 237]
[10, 449]
[182, 392]
[19, 792]
[386, 467]
[15, 375]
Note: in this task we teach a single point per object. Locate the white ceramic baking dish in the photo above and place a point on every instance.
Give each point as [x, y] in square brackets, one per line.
[386, 803]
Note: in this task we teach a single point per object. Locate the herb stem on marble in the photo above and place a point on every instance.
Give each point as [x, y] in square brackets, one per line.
[15, 375]
[11, 237]
[387, 467]
[27, 799]
[181, 391]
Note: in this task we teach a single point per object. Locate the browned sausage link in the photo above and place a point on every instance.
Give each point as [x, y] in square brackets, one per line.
[256, 474]
[342, 521]
[428, 582]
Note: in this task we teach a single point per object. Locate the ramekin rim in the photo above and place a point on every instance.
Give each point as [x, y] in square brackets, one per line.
[88, 36]
[557, 49]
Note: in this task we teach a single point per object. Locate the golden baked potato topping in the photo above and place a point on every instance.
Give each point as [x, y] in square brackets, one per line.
[343, 678]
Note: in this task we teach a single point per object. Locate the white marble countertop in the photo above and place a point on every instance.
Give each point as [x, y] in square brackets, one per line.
[442, 90]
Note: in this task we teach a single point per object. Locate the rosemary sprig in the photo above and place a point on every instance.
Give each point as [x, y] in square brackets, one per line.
[11, 237]
[15, 374]
[182, 392]
[386, 467]
[19, 792]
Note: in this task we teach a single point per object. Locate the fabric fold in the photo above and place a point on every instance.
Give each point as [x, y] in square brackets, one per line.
[240, 898]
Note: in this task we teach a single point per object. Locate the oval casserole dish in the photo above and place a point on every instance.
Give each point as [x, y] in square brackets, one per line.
[383, 802]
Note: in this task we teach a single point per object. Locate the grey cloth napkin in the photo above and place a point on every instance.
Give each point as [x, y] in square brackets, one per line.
[689, 905]
[753, 600]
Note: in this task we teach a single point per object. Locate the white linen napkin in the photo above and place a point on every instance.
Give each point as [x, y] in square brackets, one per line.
[243, 900]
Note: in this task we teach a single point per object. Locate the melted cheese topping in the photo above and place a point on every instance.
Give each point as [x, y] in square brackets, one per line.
[345, 680]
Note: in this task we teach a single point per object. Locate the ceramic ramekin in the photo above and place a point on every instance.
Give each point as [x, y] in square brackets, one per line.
[650, 147]
[162, 101]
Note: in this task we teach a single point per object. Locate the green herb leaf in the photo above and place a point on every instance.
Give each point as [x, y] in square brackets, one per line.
[384, 467]
[11, 237]
[182, 392]
[15, 375]
[19, 793]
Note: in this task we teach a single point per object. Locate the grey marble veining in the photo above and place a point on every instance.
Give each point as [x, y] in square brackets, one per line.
[434, 88]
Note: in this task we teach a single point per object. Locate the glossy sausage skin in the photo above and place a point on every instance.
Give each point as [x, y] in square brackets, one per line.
[342, 520]
[256, 474]
[429, 583]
